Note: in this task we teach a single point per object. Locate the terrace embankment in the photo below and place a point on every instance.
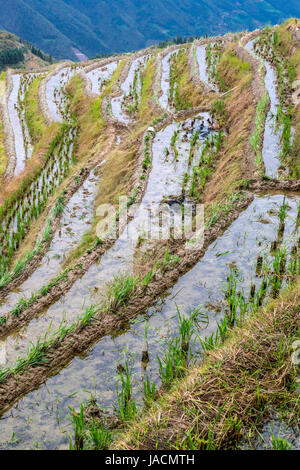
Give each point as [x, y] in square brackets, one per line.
[58, 291]
[219, 172]
[119, 173]
[236, 111]
[226, 396]
[84, 337]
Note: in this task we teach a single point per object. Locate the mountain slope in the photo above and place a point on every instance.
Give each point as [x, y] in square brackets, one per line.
[17, 53]
[105, 26]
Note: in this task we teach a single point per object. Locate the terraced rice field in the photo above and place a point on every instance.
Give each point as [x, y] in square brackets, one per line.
[108, 303]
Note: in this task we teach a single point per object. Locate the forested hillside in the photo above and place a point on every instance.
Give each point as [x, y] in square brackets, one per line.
[17, 53]
[102, 27]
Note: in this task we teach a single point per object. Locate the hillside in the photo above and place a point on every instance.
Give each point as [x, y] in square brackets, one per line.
[102, 27]
[17, 53]
[149, 247]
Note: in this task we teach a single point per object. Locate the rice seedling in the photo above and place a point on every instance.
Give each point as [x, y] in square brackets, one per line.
[169, 261]
[149, 392]
[172, 364]
[188, 326]
[222, 208]
[202, 172]
[48, 231]
[100, 436]
[89, 315]
[23, 304]
[231, 296]
[88, 434]
[120, 290]
[283, 211]
[177, 353]
[78, 425]
[59, 207]
[257, 136]
[126, 408]
[280, 444]
[26, 204]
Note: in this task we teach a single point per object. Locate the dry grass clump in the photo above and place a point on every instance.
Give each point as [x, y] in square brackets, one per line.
[146, 112]
[231, 391]
[91, 125]
[239, 114]
[186, 95]
[234, 70]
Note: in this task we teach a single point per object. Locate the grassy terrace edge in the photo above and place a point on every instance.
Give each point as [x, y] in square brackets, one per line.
[97, 321]
[227, 396]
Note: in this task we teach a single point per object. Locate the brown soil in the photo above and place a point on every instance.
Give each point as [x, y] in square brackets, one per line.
[261, 184]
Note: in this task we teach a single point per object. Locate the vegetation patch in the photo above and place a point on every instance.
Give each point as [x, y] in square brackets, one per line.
[234, 113]
[3, 155]
[281, 48]
[226, 397]
[35, 120]
[183, 93]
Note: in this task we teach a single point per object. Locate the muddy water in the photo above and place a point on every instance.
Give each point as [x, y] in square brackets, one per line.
[271, 144]
[17, 124]
[99, 76]
[55, 92]
[42, 415]
[165, 81]
[279, 429]
[75, 221]
[119, 259]
[117, 107]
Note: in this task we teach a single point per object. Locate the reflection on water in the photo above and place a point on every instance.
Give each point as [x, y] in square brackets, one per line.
[35, 418]
[165, 80]
[55, 91]
[165, 179]
[41, 416]
[74, 223]
[100, 75]
[202, 66]
[17, 118]
[271, 143]
[278, 429]
[117, 106]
